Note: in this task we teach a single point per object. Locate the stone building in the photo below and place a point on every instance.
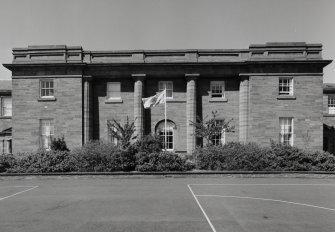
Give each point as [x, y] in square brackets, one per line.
[329, 117]
[5, 116]
[271, 91]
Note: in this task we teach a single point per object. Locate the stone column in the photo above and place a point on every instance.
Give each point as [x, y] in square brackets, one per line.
[191, 101]
[243, 109]
[138, 107]
[87, 112]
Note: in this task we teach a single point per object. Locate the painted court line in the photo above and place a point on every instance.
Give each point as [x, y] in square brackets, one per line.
[203, 211]
[267, 199]
[3, 198]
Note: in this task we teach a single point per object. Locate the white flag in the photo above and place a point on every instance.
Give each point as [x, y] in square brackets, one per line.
[152, 101]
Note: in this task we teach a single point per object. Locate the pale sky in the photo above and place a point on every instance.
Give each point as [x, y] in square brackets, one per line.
[163, 24]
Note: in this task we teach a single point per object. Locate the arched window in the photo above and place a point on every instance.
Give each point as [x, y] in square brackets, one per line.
[167, 144]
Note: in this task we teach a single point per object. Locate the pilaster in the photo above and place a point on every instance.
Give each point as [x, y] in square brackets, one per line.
[87, 112]
[191, 102]
[243, 108]
[138, 107]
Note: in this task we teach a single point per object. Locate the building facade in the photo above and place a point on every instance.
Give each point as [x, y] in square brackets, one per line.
[329, 118]
[272, 91]
[5, 116]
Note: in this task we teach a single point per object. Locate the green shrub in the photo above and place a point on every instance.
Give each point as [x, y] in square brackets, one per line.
[289, 158]
[97, 156]
[252, 157]
[41, 161]
[149, 144]
[233, 156]
[210, 158]
[59, 144]
[162, 161]
[7, 161]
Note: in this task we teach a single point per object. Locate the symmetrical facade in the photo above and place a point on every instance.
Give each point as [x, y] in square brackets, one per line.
[272, 91]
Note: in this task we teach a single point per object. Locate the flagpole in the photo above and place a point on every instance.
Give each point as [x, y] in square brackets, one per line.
[165, 118]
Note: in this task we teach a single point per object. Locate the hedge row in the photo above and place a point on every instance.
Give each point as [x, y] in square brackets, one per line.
[146, 155]
[96, 157]
[252, 157]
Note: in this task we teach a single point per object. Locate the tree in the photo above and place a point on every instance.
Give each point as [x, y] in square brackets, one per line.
[123, 134]
[209, 128]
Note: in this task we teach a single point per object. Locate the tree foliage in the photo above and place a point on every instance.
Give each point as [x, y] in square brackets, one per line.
[124, 134]
[207, 128]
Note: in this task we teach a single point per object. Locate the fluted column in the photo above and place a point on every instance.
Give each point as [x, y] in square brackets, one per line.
[138, 108]
[243, 109]
[191, 102]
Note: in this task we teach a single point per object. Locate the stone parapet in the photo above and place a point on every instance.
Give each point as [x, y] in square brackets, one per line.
[75, 54]
[48, 54]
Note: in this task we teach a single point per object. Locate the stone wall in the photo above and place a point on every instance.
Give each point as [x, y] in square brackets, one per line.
[176, 110]
[5, 123]
[104, 110]
[306, 110]
[227, 109]
[28, 110]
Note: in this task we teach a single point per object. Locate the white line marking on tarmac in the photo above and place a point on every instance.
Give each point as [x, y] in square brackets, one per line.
[270, 184]
[203, 211]
[3, 198]
[266, 199]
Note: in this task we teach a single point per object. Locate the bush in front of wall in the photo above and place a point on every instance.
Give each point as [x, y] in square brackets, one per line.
[97, 156]
[233, 156]
[287, 158]
[161, 161]
[59, 144]
[41, 161]
[149, 144]
[7, 161]
[252, 157]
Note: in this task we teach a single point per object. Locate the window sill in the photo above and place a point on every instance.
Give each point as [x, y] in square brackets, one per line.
[168, 150]
[286, 97]
[174, 100]
[218, 100]
[41, 99]
[112, 101]
[5, 117]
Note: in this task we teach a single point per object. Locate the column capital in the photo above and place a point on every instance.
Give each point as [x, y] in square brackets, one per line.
[87, 77]
[244, 76]
[192, 76]
[139, 76]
